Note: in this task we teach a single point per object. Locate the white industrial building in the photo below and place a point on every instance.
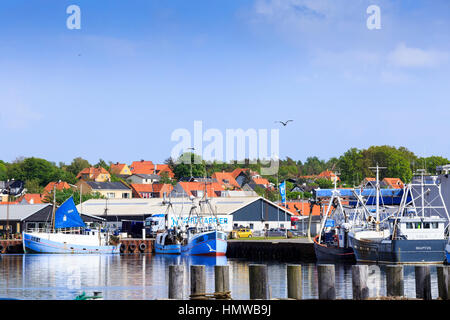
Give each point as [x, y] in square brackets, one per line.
[256, 213]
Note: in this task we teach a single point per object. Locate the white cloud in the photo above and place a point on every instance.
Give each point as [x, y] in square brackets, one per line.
[407, 57]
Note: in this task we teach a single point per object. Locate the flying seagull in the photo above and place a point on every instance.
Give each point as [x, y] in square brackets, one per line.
[284, 123]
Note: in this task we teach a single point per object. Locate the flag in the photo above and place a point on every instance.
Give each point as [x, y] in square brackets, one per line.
[283, 191]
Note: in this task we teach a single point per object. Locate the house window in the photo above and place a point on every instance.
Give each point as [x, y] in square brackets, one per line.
[110, 195]
[125, 195]
[251, 226]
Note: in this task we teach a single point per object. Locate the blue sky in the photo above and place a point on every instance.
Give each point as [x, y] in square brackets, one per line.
[137, 70]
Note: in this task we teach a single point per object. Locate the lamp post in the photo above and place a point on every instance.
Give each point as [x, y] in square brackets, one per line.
[81, 193]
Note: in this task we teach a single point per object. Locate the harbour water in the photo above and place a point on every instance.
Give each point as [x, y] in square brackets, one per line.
[145, 276]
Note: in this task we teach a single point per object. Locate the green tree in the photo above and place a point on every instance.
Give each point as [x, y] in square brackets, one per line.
[34, 169]
[324, 183]
[313, 166]
[102, 163]
[3, 171]
[183, 167]
[33, 186]
[351, 166]
[395, 161]
[63, 195]
[430, 163]
[77, 165]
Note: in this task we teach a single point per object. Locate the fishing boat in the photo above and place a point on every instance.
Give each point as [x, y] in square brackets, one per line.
[331, 244]
[69, 234]
[167, 242]
[203, 239]
[447, 252]
[204, 242]
[415, 234]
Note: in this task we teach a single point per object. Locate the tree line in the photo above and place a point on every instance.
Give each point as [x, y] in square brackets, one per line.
[352, 166]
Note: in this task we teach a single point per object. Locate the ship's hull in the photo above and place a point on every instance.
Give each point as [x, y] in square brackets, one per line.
[167, 249]
[447, 253]
[333, 254]
[210, 243]
[73, 244]
[399, 251]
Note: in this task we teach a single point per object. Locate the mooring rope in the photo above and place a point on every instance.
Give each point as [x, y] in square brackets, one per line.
[225, 295]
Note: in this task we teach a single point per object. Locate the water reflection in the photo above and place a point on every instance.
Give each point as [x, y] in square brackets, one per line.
[145, 276]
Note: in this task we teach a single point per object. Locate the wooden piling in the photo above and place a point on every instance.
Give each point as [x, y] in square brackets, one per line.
[326, 278]
[176, 281]
[221, 279]
[443, 281]
[359, 282]
[394, 281]
[198, 280]
[258, 281]
[294, 281]
[423, 282]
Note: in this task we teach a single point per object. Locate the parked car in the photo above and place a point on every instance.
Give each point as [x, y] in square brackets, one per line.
[243, 233]
[276, 232]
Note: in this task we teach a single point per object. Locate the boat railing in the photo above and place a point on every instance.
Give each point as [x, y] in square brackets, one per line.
[49, 230]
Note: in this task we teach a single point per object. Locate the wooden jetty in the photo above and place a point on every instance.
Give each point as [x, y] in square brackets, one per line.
[259, 288]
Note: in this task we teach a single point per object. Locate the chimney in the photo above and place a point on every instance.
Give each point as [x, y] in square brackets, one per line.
[154, 172]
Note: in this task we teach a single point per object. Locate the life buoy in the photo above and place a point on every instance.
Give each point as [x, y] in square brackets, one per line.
[132, 247]
[142, 247]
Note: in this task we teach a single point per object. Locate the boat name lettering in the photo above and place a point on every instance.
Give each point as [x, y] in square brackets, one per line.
[202, 220]
[35, 239]
[423, 248]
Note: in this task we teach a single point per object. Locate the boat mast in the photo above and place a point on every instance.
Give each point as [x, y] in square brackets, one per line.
[377, 187]
[54, 207]
[423, 194]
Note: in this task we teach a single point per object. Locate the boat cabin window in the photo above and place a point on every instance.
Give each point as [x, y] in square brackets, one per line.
[418, 225]
[426, 225]
[409, 225]
[435, 225]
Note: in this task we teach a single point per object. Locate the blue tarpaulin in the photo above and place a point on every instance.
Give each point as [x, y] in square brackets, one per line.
[387, 196]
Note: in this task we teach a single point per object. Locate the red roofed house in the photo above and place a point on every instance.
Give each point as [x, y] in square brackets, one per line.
[240, 175]
[227, 180]
[60, 185]
[368, 182]
[31, 198]
[94, 174]
[197, 189]
[120, 169]
[303, 208]
[261, 182]
[148, 167]
[156, 190]
[392, 183]
[327, 174]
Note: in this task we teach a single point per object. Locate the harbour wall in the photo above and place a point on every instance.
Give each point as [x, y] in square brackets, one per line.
[258, 250]
[280, 250]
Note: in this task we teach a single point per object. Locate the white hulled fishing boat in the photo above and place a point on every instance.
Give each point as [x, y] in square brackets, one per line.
[69, 234]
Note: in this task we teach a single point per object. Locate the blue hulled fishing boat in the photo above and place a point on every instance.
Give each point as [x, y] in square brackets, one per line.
[69, 234]
[418, 233]
[205, 242]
